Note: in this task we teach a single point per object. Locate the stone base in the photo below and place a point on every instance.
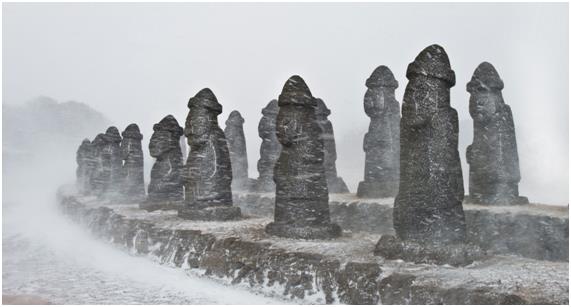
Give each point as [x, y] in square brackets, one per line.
[214, 213]
[518, 200]
[151, 206]
[326, 231]
[390, 247]
[337, 185]
[369, 189]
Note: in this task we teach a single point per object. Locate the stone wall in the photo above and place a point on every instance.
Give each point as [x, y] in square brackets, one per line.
[534, 231]
[343, 270]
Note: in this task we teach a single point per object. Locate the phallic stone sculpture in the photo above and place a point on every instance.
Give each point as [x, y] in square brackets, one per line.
[112, 163]
[133, 164]
[382, 141]
[234, 133]
[302, 201]
[493, 157]
[334, 184]
[165, 190]
[100, 174]
[270, 148]
[428, 207]
[208, 173]
[83, 171]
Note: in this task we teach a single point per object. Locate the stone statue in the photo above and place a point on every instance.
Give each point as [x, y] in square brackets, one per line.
[208, 173]
[83, 171]
[334, 184]
[428, 207]
[302, 201]
[493, 158]
[113, 164]
[133, 173]
[166, 186]
[270, 148]
[382, 141]
[100, 171]
[234, 133]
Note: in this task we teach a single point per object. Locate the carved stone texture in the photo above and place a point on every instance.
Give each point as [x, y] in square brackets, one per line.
[166, 187]
[208, 173]
[302, 200]
[100, 174]
[493, 157]
[428, 207]
[83, 170]
[112, 163]
[133, 164]
[234, 133]
[334, 184]
[382, 141]
[270, 148]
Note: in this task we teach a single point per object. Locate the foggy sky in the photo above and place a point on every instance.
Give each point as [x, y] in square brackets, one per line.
[140, 62]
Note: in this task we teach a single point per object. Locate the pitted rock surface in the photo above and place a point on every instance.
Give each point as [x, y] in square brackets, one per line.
[270, 148]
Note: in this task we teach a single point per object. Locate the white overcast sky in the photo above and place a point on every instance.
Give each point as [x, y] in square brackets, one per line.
[139, 62]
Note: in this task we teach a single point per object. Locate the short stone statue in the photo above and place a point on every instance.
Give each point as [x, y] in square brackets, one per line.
[166, 186]
[493, 157]
[234, 133]
[83, 170]
[428, 207]
[302, 201]
[133, 173]
[382, 141]
[113, 163]
[270, 148]
[334, 184]
[208, 172]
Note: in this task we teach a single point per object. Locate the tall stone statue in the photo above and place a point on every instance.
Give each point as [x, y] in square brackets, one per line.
[113, 163]
[208, 173]
[133, 173]
[234, 133]
[302, 201]
[334, 184]
[382, 141]
[100, 170]
[428, 207]
[270, 148]
[166, 186]
[83, 171]
[493, 157]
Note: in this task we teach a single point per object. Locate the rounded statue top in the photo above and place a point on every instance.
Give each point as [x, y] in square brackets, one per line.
[382, 76]
[169, 123]
[321, 109]
[132, 132]
[85, 141]
[432, 62]
[296, 92]
[112, 135]
[485, 76]
[99, 140]
[205, 98]
[271, 109]
[235, 119]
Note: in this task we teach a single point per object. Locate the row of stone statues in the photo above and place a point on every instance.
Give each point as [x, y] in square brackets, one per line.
[414, 158]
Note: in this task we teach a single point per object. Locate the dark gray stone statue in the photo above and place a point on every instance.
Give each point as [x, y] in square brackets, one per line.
[428, 207]
[382, 141]
[493, 157]
[112, 163]
[83, 171]
[302, 201]
[234, 133]
[334, 184]
[270, 148]
[208, 173]
[166, 186]
[133, 172]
